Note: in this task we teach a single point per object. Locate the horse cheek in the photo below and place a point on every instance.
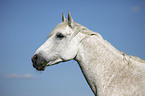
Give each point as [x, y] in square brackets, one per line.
[69, 53]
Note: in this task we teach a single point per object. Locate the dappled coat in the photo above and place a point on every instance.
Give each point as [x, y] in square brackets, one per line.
[108, 71]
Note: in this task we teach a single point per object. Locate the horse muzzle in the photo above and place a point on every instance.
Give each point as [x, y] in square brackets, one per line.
[39, 62]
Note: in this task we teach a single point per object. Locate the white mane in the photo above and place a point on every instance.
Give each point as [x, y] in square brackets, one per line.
[88, 32]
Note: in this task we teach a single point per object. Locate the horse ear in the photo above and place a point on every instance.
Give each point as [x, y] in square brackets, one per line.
[63, 18]
[70, 20]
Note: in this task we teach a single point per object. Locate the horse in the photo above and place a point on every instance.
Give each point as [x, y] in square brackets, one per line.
[108, 71]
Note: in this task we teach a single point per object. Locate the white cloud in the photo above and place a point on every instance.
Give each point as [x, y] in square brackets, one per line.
[19, 76]
[135, 8]
[16, 76]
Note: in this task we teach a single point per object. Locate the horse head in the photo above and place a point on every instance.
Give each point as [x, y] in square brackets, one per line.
[62, 44]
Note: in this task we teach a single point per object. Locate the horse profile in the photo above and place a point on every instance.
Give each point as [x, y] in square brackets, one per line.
[108, 71]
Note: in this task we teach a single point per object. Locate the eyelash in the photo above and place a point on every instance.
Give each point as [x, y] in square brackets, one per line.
[60, 35]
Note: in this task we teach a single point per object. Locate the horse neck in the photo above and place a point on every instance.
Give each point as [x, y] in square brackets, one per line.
[97, 58]
[95, 50]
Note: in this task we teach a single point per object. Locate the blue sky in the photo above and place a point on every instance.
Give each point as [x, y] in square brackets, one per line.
[25, 25]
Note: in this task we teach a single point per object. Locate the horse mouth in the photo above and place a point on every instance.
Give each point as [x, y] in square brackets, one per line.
[54, 62]
[43, 65]
[40, 67]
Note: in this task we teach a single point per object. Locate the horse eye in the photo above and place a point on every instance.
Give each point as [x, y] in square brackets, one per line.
[60, 35]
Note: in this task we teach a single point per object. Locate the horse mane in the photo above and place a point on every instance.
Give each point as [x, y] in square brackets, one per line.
[88, 32]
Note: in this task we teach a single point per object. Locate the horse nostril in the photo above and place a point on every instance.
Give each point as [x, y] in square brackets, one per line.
[35, 58]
